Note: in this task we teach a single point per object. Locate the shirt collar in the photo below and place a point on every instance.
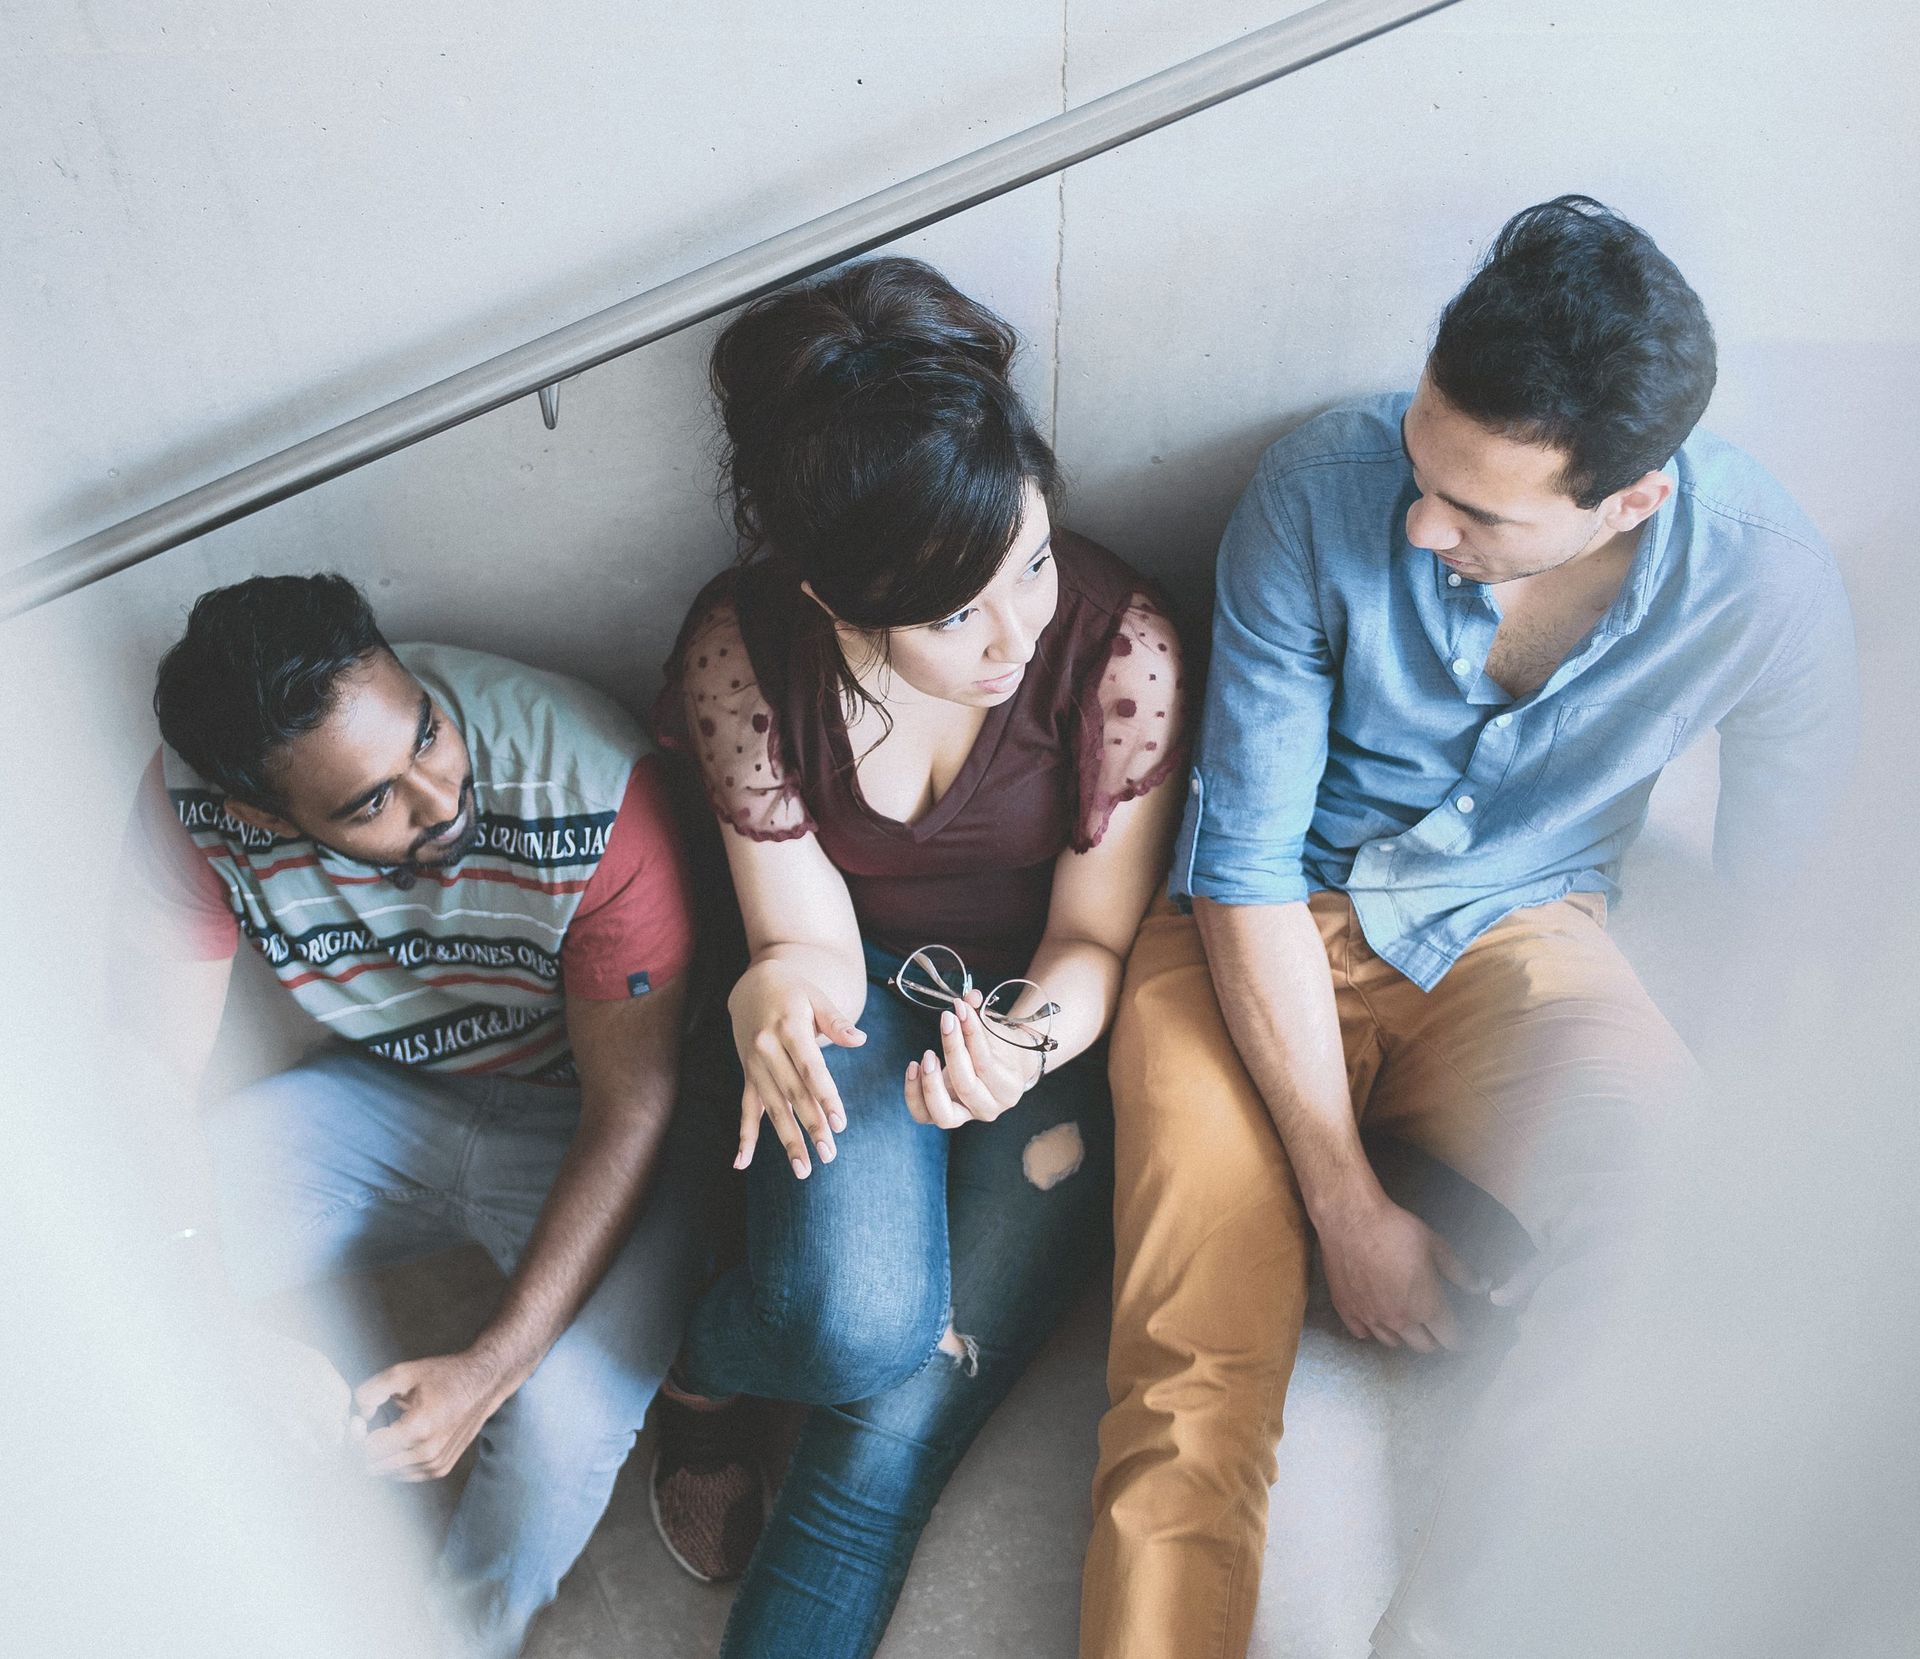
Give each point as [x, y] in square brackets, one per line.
[1629, 608]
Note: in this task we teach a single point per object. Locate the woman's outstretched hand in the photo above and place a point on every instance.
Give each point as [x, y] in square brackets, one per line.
[975, 1078]
[780, 1023]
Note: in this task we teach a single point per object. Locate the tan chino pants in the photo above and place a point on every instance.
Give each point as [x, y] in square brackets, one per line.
[1534, 1069]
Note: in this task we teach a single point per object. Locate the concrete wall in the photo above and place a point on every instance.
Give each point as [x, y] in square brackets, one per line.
[230, 229]
[240, 225]
[234, 228]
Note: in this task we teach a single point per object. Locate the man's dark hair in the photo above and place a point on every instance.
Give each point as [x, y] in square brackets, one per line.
[1578, 333]
[260, 663]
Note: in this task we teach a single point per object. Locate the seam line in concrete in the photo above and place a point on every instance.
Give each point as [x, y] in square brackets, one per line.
[1059, 246]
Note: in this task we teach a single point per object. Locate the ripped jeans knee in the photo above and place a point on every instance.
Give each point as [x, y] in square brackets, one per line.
[963, 1350]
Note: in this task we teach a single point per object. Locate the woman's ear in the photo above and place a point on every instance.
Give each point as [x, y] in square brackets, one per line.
[855, 643]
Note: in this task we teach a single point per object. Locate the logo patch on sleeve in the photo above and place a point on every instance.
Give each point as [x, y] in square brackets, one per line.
[638, 985]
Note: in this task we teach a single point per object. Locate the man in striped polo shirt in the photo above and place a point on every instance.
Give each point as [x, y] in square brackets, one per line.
[464, 870]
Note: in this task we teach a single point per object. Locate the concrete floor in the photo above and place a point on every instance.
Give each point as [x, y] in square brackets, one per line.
[998, 1572]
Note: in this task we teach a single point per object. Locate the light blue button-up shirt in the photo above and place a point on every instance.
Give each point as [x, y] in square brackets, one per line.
[1352, 738]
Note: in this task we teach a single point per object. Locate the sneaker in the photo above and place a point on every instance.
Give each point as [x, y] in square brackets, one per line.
[707, 1489]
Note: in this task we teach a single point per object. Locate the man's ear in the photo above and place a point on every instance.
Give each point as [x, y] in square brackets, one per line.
[1630, 508]
[260, 818]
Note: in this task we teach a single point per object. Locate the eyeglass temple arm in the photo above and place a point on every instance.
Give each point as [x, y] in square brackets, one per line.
[938, 987]
[1045, 1011]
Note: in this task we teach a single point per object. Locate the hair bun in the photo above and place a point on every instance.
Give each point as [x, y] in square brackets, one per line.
[862, 324]
[902, 312]
[855, 362]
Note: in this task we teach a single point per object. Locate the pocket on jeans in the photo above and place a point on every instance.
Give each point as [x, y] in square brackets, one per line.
[1598, 752]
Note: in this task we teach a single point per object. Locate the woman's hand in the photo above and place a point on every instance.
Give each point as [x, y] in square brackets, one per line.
[980, 1077]
[780, 1023]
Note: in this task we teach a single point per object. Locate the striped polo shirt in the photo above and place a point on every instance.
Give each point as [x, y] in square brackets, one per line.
[573, 887]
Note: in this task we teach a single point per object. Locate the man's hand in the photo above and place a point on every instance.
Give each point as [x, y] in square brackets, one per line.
[443, 1403]
[1385, 1269]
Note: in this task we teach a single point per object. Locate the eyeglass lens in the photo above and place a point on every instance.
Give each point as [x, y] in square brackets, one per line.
[934, 975]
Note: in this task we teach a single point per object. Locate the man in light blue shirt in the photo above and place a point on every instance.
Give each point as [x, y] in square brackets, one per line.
[1457, 636]
[1386, 720]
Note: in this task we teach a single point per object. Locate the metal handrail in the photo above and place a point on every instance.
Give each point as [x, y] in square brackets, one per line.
[1073, 136]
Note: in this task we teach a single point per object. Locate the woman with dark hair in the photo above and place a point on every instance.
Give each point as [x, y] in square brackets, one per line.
[935, 730]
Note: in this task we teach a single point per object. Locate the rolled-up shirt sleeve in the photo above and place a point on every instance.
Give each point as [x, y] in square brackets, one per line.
[1263, 732]
[633, 932]
[1788, 746]
[167, 901]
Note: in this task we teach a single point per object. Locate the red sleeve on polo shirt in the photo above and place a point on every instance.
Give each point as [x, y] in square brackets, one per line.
[634, 929]
[170, 902]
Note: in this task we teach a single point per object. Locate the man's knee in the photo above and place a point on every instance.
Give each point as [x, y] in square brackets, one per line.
[276, 1135]
[1190, 1125]
[263, 1189]
[577, 1411]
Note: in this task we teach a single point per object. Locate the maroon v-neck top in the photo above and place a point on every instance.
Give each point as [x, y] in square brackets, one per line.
[1095, 721]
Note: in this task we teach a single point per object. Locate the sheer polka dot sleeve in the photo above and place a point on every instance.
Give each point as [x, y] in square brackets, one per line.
[724, 724]
[1132, 716]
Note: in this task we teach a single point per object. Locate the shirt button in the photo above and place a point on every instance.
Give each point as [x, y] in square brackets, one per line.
[1465, 803]
[1461, 665]
[1503, 720]
[1453, 578]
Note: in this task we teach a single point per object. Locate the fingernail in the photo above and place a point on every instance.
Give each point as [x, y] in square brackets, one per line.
[839, 1122]
[826, 1151]
[947, 1022]
[800, 1167]
[932, 1061]
[963, 1010]
[913, 1069]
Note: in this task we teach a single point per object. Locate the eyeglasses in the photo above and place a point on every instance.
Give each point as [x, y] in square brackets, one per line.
[935, 977]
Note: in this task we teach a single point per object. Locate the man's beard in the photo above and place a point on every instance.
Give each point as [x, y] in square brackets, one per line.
[1587, 544]
[412, 867]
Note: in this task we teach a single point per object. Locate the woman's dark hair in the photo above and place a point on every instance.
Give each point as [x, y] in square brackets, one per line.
[260, 663]
[1578, 333]
[875, 448]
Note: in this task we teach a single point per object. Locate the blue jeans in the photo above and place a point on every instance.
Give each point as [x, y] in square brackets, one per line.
[853, 1277]
[347, 1162]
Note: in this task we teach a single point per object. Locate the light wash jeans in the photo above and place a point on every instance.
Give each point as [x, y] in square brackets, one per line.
[852, 1278]
[347, 1162]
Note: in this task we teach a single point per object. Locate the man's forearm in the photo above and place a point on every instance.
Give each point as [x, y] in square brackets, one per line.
[1270, 974]
[588, 1214]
